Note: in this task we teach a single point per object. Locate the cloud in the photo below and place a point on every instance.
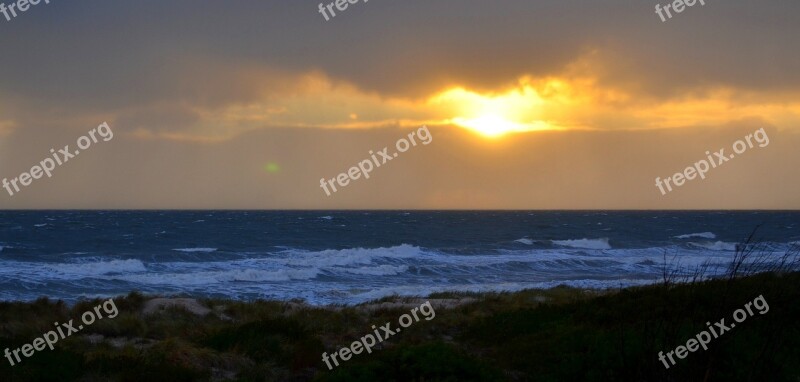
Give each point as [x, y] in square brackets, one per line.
[116, 54]
[211, 91]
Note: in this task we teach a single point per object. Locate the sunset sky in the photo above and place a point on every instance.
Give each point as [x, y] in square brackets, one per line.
[561, 104]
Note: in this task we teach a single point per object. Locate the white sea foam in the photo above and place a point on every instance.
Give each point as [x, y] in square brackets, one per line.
[716, 246]
[191, 250]
[352, 256]
[702, 235]
[97, 268]
[524, 240]
[325, 276]
[601, 243]
[382, 270]
[219, 277]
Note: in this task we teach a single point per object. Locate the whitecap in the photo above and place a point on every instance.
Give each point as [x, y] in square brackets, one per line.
[716, 246]
[702, 235]
[601, 243]
[383, 270]
[97, 268]
[190, 250]
[352, 256]
[205, 278]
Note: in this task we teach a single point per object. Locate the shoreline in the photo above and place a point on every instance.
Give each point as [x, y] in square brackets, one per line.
[456, 295]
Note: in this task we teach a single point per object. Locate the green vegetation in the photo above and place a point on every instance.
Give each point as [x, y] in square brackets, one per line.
[559, 334]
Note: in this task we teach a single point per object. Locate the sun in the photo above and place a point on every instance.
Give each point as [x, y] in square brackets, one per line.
[494, 115]
[490, 125]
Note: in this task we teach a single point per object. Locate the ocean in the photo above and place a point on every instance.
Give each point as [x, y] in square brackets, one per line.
[348, 257]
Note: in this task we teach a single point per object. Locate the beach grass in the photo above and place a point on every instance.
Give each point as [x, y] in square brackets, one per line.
[557, 334]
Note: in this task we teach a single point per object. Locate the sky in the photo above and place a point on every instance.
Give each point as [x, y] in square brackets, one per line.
[562, 104]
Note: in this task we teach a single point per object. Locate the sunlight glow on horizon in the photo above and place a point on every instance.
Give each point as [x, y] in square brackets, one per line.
[495, 115]
[573, 101]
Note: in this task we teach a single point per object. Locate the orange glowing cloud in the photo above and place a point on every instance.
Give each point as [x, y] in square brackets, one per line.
[570, 102]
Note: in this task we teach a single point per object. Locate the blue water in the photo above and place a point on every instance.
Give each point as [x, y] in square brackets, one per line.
[350, 257]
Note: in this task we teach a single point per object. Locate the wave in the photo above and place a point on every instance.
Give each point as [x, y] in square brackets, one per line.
[191, 250]
[351, 275]
[716, 246]
[97, 268]
[601, 243]
[524, 240]
[219, 277]
[702, 235]
[287, 265]
[352, 256]
[383, 270]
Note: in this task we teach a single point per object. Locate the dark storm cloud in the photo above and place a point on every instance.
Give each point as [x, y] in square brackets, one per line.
[98, 54]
